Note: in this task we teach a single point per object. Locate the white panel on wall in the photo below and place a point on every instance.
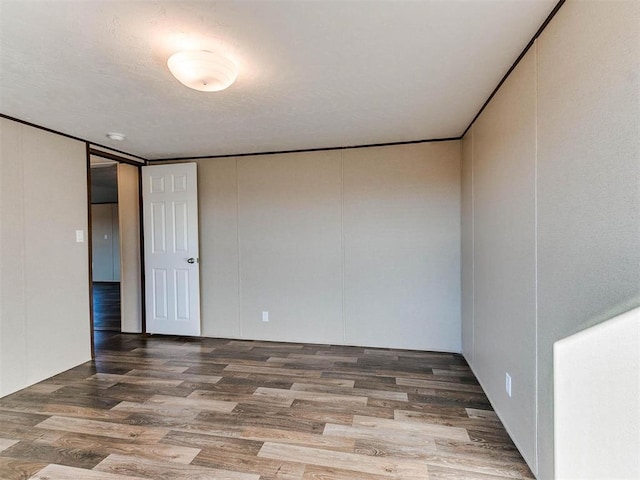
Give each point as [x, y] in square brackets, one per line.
[402, 246]
[290, 235]
[597, 401]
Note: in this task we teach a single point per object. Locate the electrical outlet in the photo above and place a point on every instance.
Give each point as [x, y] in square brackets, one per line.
[507, 384]
[265, 316]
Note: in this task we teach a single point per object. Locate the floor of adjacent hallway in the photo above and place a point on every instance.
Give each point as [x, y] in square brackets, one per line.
[170, 408]
[106, 306]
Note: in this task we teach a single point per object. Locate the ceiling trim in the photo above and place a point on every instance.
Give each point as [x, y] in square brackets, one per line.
[515, 64]
[305, 150]
[104, 152]
[50, 130]
[116, 158]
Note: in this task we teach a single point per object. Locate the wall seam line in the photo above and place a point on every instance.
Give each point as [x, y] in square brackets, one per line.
[535, 255]
[23, 276]
[240, 326]
[1, 276]
[344, 317]
[473, 250]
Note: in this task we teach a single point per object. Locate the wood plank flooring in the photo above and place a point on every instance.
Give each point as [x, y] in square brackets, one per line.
[106, 306]
[171, 408]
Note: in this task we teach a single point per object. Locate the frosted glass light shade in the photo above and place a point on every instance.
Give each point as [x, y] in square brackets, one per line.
[203, 70]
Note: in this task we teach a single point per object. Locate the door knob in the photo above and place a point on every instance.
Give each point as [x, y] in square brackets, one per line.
[191, 260]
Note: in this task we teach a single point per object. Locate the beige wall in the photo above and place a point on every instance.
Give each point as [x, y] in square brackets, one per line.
[290, 247]
[466, 246]
[129, 250]
[588, 135]
[219, 249]
[402, 246]
[555, 221]
[44, 301]
[504, 252]
[348, 247]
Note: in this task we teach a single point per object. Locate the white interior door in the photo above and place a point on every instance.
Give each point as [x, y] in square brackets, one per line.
[172, 273]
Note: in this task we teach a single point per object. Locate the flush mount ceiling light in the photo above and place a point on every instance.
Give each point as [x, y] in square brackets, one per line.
[203, 70]
[118, 137]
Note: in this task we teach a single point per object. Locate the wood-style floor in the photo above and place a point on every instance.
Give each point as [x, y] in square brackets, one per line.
[169, 408]
[106, 306]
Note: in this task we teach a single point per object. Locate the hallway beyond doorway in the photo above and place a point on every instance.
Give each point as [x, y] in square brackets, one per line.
[106, 306]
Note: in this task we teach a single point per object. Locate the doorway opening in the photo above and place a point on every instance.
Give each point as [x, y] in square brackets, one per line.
[116, 281]
[105, 245]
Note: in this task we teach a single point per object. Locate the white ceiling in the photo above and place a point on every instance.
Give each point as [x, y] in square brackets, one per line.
[312, 73]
